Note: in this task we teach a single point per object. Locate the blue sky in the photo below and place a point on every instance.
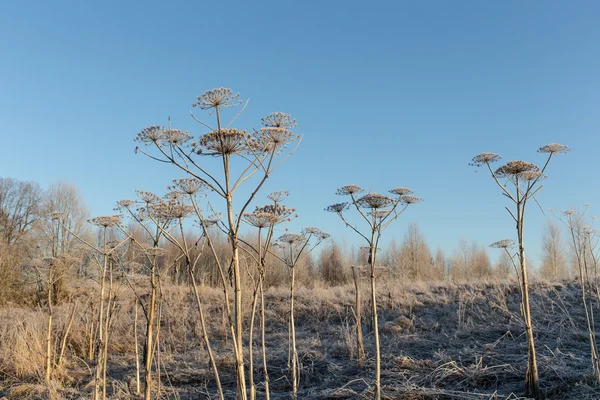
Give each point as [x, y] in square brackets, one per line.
[386, 94]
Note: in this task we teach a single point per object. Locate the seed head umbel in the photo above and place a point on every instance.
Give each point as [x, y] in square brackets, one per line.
[148, 197]
[380, 213]
[260, 219]
[279, 120]
[315, 232]
[222, 142]
[106, 221]
[503, 244]
[374, 201]
[401, 191]
[531, 176]
[188, 185]
[220, 97]
[175, 137]
[278, 196]
[410, 200]
[349, 190]
[124, 204]
[279, 211]
[151, 134]
[484, 158]
[273, 139]
[57, 215]
[554, 148]
[291, 238]
[337, 208]
[515, 168]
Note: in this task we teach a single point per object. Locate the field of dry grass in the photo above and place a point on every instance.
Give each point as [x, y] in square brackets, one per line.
[439, 341]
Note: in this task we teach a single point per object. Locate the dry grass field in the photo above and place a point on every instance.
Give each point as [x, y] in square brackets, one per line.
[439, 341]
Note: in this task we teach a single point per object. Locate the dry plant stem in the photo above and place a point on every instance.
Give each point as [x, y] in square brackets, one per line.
[532, 384]
[377, 394]
[263, 342]
[295, 366]
[65, 336]
[91, 335]
[203, 321]
[250, 343]
[360, 348]
[49, 328]
[137, 349]
[99, 362]
[574, 230]
[150, 311]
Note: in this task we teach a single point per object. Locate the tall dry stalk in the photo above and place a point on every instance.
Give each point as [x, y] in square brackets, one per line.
[255, 154]
[164, 218]
[263, 218]
[102, 257]
[583, 247]
[523, 178]
[295, 248]
[381, 211]
[360, 347]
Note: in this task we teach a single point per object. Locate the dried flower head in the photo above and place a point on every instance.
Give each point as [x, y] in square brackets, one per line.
[503, 244]
[278, 196]
[273, 139]
[410, 200]
[279, 120]
[151, 134]
[569, 212]
[531, 176]
[281, 212]
[148, 197]
[337, 208]
[260, 219]
[189, 185]
[124, 204]
[380, 213]
[349, 190]
[222, 142]
[315, 232]
[401, 191]
[220, 97]
[292, 239]
[57, 215]
[484, 158]
[515, 168]
[106, 221]
[554, 148]
[154, 251]
[175, 136]
[374, 201]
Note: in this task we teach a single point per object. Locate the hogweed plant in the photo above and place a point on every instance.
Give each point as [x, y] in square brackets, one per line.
[584, 242]
[263, 218]
[257, 154]
[158, 218]
[378, 211]
[294, 249]
[102, 256]
[521, 184]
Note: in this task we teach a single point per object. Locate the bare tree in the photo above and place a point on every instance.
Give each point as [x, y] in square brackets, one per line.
[523, 177]
[554, 261]
[19, 209]
[64, 201]
[380, 212]
[415, 257]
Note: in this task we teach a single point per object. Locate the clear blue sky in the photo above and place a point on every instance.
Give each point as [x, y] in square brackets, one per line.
[386, 94]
